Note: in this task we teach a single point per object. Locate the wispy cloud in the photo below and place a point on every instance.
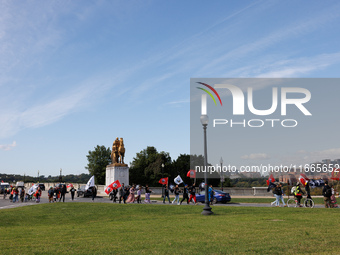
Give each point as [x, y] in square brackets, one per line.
[8, 147]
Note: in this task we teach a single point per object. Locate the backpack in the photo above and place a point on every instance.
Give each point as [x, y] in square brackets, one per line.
[328, 192]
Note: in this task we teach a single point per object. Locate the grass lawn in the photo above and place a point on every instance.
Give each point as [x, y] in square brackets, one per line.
[94, 228]
[317, 200]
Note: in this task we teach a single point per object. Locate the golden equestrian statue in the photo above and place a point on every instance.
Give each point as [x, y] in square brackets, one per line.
[121, 151]
[118, 152]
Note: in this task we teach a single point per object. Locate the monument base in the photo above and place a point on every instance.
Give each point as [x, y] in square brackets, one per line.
[115, 172]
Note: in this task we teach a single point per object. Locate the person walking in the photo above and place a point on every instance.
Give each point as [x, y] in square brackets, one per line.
[147, 194]
[114, 195]
[73, 191]
[63, 193]
[22, 194]
[139, 194]
[15, 195]
[192, 190]
[327, 193]
[56, 194]
[38, 195]
[185, 194]
[50, 195]
[131, 197]
[122, 193]
[176, 192]
[166, 194]
[94, 192]
[279, 195]
[211, 194]
[333, 199]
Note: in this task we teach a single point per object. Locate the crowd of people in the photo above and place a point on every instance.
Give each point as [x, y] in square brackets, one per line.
[126, 194]
[54, 194]
[328, 193]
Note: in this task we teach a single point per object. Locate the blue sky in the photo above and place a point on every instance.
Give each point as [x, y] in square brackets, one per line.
[76, 74]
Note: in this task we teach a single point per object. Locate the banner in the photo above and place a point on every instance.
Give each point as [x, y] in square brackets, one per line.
[163, 181]
[32, 189]
[191, 174]
[303, 178]
[270, 179]
[178, 180]
[90, 183]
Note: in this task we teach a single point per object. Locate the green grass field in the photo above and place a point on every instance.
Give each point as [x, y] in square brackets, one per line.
[317, 200]
[94, 228]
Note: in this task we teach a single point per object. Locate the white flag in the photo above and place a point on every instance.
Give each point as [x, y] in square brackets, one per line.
[32, 189]
[90, 183]
[178, 180]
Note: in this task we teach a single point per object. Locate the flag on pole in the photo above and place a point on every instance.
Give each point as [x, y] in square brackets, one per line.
[163, 181]
[178, 180]
[336, 174]
[69, 185]
[112, 186]
[116, 185]
[90, 183]
[191, 174]
[270, 179]
[303, 178]
[32, 189]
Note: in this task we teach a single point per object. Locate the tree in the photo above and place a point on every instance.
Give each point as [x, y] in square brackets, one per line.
[146, 167]
[97, 162]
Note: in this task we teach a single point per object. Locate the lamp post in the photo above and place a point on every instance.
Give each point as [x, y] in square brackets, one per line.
[38, 177]
[60, 178]
[162, 177]
[207, 209]
[222, 177]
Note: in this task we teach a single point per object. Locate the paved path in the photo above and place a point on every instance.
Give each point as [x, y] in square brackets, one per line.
[6, 204]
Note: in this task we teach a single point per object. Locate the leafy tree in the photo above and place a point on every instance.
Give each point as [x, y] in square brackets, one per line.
[97, 162]
[146, 167]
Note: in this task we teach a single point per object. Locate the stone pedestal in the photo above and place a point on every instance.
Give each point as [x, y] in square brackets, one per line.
[117, 172]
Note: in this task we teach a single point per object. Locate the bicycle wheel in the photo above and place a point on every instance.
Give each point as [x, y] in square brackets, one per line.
[308, 203]
[291, 202]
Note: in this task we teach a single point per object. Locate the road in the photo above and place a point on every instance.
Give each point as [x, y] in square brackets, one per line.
[6, 204]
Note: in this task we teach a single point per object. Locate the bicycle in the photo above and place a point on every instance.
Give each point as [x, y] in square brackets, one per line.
[305, 202]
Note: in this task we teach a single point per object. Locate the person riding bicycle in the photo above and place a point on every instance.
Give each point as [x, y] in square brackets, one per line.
[298, 194]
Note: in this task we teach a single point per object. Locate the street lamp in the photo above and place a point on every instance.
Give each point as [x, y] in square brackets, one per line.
[222, 177]
[162, 177]
[207, 209]
[60, 178]
[38, 177]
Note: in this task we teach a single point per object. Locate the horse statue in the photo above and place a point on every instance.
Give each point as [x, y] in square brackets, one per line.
[121, 151]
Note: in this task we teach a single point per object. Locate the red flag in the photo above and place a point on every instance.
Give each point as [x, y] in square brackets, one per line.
[336, 174]
[303, 178]
[163, 181]
[271, 178]
[112, 186]
[191, 174]
[69, 185]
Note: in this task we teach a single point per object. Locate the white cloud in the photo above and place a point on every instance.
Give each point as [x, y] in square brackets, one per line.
[256, 156]
[8, 147]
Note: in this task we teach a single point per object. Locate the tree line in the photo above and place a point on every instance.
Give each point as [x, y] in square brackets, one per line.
[70, 178]
[150, 165]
